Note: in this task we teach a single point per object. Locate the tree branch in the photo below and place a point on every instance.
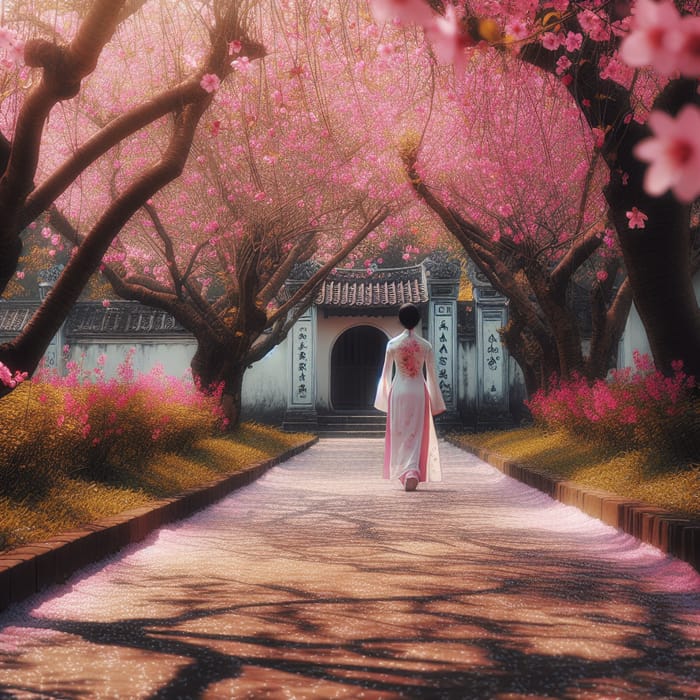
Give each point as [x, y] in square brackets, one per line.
[312, 283]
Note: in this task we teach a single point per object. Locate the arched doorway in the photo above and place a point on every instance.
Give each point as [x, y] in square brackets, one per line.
[356, 363]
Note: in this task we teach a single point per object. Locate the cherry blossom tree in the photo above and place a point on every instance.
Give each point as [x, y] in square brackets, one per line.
[57, 57]
[620, 61]
[514, 175]
[294, 165]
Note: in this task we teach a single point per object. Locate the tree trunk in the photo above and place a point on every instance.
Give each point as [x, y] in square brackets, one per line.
[537, 363]
[658, 263]
[216, 367]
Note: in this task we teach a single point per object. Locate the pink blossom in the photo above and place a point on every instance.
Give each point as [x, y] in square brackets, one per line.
[105, 303]
[573, 41]
[636, 218]
[407, 11]
[647, 43]
[684, 42]
[15, 53]
[601, 275]
[629, 415]
[642, 362]
[241, 64]
[594, 26]
[234, 46]
[551, 41]
[612, 68]
[7, 37]
[10, 379]
[20, 274]
[598, 136]
[673, 153]
[210, 82]
[407, 360]
[563, 64]
[449, 38]
[517, 29]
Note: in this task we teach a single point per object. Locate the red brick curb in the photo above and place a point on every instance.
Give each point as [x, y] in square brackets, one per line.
[32, 568]
[661, 528]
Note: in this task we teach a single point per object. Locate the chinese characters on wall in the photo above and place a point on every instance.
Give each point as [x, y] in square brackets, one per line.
[492, 362]
[443, 344]
[302, 362]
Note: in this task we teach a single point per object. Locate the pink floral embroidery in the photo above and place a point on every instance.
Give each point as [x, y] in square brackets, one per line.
[408, 358]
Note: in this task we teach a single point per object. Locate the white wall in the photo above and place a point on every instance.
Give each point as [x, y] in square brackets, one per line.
[173, 357]
[264, 384]
[635, 337]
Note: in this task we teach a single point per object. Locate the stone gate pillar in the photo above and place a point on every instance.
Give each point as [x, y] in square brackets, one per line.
[442, 280]
[302, 393]
[301, 398]
[493, 405]
[53, 357]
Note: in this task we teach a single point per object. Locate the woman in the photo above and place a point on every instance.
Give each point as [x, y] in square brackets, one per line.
[410, 401]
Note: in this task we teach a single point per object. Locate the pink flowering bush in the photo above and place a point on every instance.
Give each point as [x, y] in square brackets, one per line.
[85, 425]
[631, 408]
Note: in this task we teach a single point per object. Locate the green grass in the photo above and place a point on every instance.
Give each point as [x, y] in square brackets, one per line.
[67, 500]
[644, 473]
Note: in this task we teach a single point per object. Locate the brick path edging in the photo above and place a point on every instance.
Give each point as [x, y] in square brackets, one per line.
[663, 529]
[32, 568]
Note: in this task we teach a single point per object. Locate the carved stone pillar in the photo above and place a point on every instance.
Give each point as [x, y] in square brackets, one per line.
[53, 357]
[493, 406]
[301, 402]
[442, 279]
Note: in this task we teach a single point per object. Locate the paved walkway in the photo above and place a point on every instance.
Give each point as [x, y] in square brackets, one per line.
[322, 581]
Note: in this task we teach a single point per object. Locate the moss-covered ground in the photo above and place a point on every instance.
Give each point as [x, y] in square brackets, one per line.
[31, 512]
[645, 473]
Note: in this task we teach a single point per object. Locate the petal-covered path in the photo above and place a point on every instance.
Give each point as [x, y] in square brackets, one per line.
[321, 580]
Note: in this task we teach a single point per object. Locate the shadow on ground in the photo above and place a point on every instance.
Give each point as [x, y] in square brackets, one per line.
[365, 594]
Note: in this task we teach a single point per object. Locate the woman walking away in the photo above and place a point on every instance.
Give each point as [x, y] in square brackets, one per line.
[410, 401]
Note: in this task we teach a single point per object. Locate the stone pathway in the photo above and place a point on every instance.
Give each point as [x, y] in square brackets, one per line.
[321, 580]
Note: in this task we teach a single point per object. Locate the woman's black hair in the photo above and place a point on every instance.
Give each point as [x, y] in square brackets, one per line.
[409, 316]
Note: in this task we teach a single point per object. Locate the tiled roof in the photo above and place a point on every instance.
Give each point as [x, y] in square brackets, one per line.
[14, 316]
[91, 319]
[382, 288]
[120, 318]
[353, 290]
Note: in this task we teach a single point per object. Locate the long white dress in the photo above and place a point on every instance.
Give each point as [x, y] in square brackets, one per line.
[410, 401]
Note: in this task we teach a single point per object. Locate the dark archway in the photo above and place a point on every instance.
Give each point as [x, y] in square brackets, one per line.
[356, 363]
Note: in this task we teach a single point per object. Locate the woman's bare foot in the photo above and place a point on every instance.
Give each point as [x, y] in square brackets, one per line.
[411, 483]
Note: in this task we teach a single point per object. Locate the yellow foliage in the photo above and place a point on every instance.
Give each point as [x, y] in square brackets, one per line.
[646, 473]
[37, 501]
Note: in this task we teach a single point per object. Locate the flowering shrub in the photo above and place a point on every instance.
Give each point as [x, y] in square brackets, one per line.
[86, 423]
[633, 407]
[9, 379]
